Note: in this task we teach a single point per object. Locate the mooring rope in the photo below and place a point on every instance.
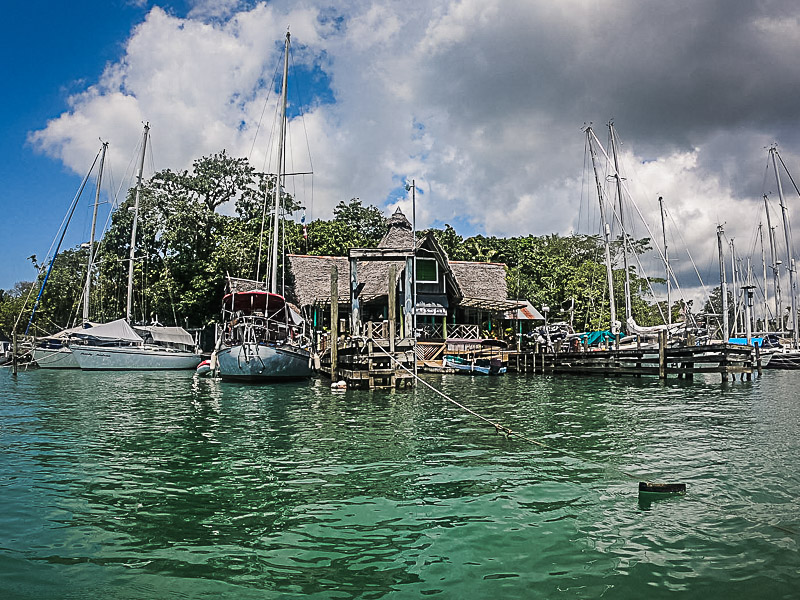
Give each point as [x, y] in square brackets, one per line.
[499, 428]
[509, 432]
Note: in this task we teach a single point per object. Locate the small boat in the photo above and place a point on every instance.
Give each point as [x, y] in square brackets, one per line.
[478, 359]
[204, 368]
[474, 366]
[782, 358]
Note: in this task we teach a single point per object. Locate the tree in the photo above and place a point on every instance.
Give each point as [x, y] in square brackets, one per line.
[367, 221]
[13, 306]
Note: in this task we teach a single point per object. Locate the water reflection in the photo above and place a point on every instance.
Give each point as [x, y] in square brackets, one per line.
[299, 490]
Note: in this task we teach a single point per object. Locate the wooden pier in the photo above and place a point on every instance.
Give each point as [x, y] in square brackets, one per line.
[684, 362]
[366, 364]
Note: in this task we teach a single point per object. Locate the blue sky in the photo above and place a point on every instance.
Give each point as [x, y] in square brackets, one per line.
[480, 101]
[56, 47]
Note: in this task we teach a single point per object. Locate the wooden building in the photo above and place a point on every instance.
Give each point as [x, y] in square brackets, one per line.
[452, 299]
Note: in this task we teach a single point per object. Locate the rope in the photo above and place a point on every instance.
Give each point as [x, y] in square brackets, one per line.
[497, 426]
[502, 428]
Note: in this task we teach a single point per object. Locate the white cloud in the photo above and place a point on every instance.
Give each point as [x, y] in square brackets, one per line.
[481, 101]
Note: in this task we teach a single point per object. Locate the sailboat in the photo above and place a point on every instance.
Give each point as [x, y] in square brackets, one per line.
[53, 352]
[786, 357]
[116, 346]
[263, 338]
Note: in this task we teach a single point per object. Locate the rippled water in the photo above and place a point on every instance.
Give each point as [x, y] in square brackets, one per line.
[161, 485]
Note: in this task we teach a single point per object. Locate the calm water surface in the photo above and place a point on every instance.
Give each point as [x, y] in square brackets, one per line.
[164, 486]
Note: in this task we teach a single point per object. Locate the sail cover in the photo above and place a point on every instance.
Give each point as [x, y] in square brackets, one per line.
[169, 335]
[115, 330]
[635, 329]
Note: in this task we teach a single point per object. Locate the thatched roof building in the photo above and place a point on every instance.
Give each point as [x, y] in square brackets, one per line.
[480, 286]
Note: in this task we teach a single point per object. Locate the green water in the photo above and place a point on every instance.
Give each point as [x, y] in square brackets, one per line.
[164, 486]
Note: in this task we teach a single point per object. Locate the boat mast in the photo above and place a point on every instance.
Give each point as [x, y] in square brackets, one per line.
[776, 276]
[613, 136]
[135, 223]
[88, 286]
[279, 178]
[764, 269]
[735, 290]
[789, 260]
[606, 231]
[666, 260]
[723, 284]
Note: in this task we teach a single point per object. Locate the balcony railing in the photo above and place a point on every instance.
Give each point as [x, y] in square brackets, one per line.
[379, 330]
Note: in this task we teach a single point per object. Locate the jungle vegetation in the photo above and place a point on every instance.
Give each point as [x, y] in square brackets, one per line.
[187, 245]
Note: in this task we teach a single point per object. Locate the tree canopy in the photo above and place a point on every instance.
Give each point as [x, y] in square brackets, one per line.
[186, 246]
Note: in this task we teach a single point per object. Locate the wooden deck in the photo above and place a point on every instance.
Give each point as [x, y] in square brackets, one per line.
[726, 360]
[370, 365]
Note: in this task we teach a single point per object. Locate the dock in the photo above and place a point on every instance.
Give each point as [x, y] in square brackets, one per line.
[371, 364]
[683, 362]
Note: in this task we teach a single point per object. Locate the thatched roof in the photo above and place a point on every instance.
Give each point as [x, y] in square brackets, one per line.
[312, 278]
[480, 285]
[399, 234]
[480, 281]
[239, 285]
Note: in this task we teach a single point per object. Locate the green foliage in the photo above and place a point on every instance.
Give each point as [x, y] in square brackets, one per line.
[12, 305]
[367, 222]
[450, 241]
[186, 247]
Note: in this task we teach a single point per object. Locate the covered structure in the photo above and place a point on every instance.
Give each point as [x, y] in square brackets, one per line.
[450, 299]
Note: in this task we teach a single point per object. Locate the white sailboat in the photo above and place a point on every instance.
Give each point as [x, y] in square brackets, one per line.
[263, 339]
[115, 346]
[53, 352]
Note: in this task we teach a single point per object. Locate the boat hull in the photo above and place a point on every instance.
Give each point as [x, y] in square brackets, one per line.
[474, 368]
[259, 362]
[132, 358]
[55, 358]
[784, 359]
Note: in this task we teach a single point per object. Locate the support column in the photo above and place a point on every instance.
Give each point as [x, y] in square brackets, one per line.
[334, 320]
[355, 308]
[408, 299]
[392, 290]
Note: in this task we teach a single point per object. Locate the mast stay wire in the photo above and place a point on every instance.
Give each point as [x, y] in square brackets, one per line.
[636, 206]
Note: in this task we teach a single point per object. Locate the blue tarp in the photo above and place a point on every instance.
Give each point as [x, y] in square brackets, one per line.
[755, 341]
[597, 337]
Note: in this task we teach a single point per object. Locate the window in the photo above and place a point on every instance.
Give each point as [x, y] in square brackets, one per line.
[427, 270]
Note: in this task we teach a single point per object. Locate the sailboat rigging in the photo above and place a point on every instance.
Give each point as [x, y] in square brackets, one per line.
[52, 352]
[118, 346]
[262, 338]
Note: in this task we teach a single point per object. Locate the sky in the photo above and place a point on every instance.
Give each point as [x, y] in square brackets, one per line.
[482, 103]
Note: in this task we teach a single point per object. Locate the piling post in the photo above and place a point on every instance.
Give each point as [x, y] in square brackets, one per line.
[758, 359]
[14, 352]
[392, 305]
[662, 354]
[334, 321]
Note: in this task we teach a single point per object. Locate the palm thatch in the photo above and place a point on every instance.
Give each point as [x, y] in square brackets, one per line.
[310, 281]
[478, 285]
[312, 278]
[482, 284]
[399, 234]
